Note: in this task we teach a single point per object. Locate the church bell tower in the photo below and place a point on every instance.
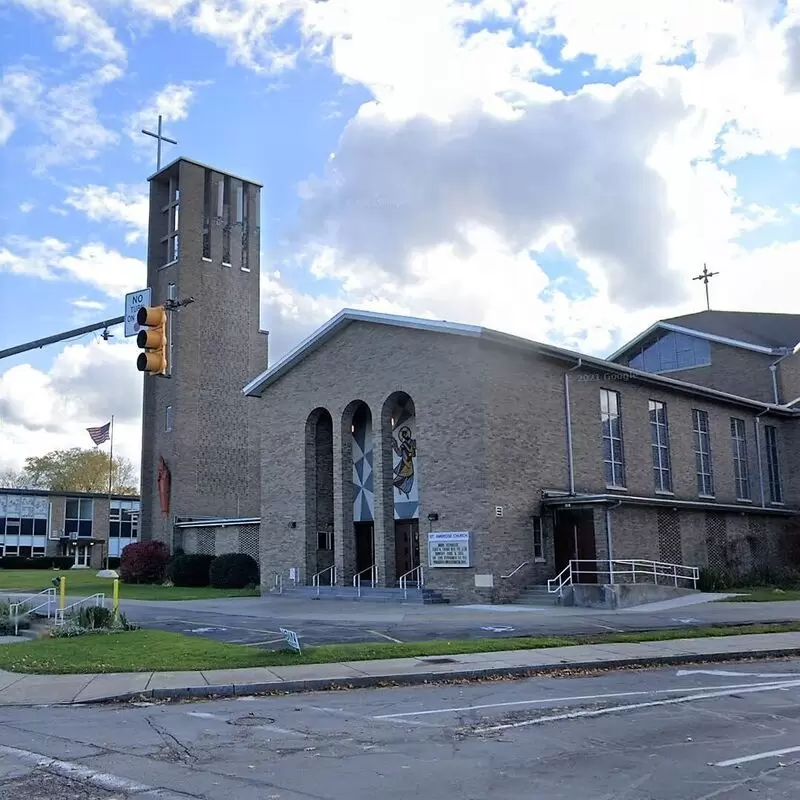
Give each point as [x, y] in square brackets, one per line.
[200, 442]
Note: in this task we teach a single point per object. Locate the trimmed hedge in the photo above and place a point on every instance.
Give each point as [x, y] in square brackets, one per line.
[191, 569]
[144, 562]
[40, 562]
[233, 571]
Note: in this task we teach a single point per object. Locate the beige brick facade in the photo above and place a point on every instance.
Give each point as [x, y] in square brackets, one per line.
[492, 434]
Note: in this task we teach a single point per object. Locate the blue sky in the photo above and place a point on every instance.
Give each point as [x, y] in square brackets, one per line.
[582, 228]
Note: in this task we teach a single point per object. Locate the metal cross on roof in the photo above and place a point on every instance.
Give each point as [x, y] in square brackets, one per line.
[704, 276]
[160, 139]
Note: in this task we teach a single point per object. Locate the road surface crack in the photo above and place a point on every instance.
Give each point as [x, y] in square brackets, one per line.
[175, 746]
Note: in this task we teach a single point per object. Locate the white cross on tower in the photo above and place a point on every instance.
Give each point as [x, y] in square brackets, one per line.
[160, 139]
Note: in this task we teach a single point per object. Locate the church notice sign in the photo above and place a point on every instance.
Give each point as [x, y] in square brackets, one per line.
[450, 549]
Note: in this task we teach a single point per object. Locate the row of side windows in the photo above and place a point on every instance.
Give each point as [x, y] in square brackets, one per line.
[614, 454]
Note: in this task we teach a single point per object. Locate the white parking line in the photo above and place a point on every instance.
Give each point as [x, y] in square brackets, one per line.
[636, 706]
[385, 636]
[756, 757]
[83, 774]
[574, 698]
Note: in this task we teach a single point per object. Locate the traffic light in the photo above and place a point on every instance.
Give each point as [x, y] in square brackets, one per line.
[153, 339]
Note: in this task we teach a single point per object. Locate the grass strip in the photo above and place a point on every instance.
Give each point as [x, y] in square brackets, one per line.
[762, 595]
[159, 651]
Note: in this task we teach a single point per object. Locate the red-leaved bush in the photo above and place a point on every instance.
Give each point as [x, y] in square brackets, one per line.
[144, 562]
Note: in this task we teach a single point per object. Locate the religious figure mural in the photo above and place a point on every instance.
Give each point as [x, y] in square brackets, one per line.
[405, 480]
[406, 449]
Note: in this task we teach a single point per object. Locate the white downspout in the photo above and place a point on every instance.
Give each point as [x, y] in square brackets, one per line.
[773, 368]
[758, 453]
[609, 545]
[570, 461]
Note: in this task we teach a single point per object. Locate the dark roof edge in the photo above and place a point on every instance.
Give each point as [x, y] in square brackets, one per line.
[49, 493]
[203, 166]
[668, 502]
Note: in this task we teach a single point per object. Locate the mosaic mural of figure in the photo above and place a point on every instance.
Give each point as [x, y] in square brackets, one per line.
[406, 449]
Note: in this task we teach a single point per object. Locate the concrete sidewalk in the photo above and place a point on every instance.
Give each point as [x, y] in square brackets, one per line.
[27, 690]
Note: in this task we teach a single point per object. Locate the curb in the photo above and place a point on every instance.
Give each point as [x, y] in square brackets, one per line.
[383, 681]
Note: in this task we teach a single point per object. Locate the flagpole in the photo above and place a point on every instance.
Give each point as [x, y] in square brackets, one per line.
[110, 472]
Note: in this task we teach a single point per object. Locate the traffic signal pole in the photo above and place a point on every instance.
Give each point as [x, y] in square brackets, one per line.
[59, 337]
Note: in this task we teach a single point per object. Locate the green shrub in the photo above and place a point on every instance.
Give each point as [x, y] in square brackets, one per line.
[40, 562]
[7, 625]
[713, 580]
[190, 570]
[233, 571]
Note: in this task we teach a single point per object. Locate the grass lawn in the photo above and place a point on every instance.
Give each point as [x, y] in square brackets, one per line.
[84, 582]
[763, 595]
[146, 650]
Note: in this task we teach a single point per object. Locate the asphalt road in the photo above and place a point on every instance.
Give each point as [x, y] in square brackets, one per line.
[256, 621]
[727, 733]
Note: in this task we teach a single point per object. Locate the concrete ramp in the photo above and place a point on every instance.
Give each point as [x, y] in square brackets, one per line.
[622, 595]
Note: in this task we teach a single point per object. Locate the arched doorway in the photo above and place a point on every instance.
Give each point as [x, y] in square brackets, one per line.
[357, 420]
[319, 495]
[402, 491]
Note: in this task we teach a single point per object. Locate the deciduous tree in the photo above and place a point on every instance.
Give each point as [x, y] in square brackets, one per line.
[79, 470]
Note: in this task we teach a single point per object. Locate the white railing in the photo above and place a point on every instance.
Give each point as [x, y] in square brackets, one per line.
[44, 599]
[420, 580]
[516, 570]
[315, 578]
[98, 599]
[278, 583]
[630, 570]
[373, 572]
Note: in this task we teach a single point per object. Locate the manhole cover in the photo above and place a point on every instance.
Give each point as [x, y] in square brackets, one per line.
[440, 660]
[252, 719]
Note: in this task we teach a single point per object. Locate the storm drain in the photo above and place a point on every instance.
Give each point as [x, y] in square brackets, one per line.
[252, 719]
[440, 660]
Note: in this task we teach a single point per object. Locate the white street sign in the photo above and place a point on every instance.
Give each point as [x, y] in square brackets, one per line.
[133, 302]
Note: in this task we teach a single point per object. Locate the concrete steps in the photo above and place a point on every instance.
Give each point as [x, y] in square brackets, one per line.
[369, 594]
[536, 596]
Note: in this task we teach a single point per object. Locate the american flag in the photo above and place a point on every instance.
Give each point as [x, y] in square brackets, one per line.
[101, 434]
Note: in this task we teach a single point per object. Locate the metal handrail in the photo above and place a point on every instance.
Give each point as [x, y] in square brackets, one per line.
[616, 567]
[373, 570]
[516, 570]
[99, 600]
[15, 609]
[404, 579]
[278, 583]
[564, 578]
[315, 578]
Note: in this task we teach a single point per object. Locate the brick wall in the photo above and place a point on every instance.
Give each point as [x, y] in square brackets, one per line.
[213, 450]
[491, 432]
[734, 370]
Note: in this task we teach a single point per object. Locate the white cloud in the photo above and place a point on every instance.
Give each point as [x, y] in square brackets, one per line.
[85, 385]
[81, 27]
[85, 304]
[7, 126]
[93, 264]
[69, 127]
[126, 205]
[26, 207]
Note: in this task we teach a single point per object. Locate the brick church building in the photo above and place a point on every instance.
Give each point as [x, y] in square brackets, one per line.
[469, 461]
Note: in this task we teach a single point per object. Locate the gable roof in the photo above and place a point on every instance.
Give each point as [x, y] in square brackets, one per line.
[771, 334]
[347, 316]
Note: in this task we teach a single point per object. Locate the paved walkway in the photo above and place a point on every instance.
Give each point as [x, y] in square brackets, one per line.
[17, 689]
